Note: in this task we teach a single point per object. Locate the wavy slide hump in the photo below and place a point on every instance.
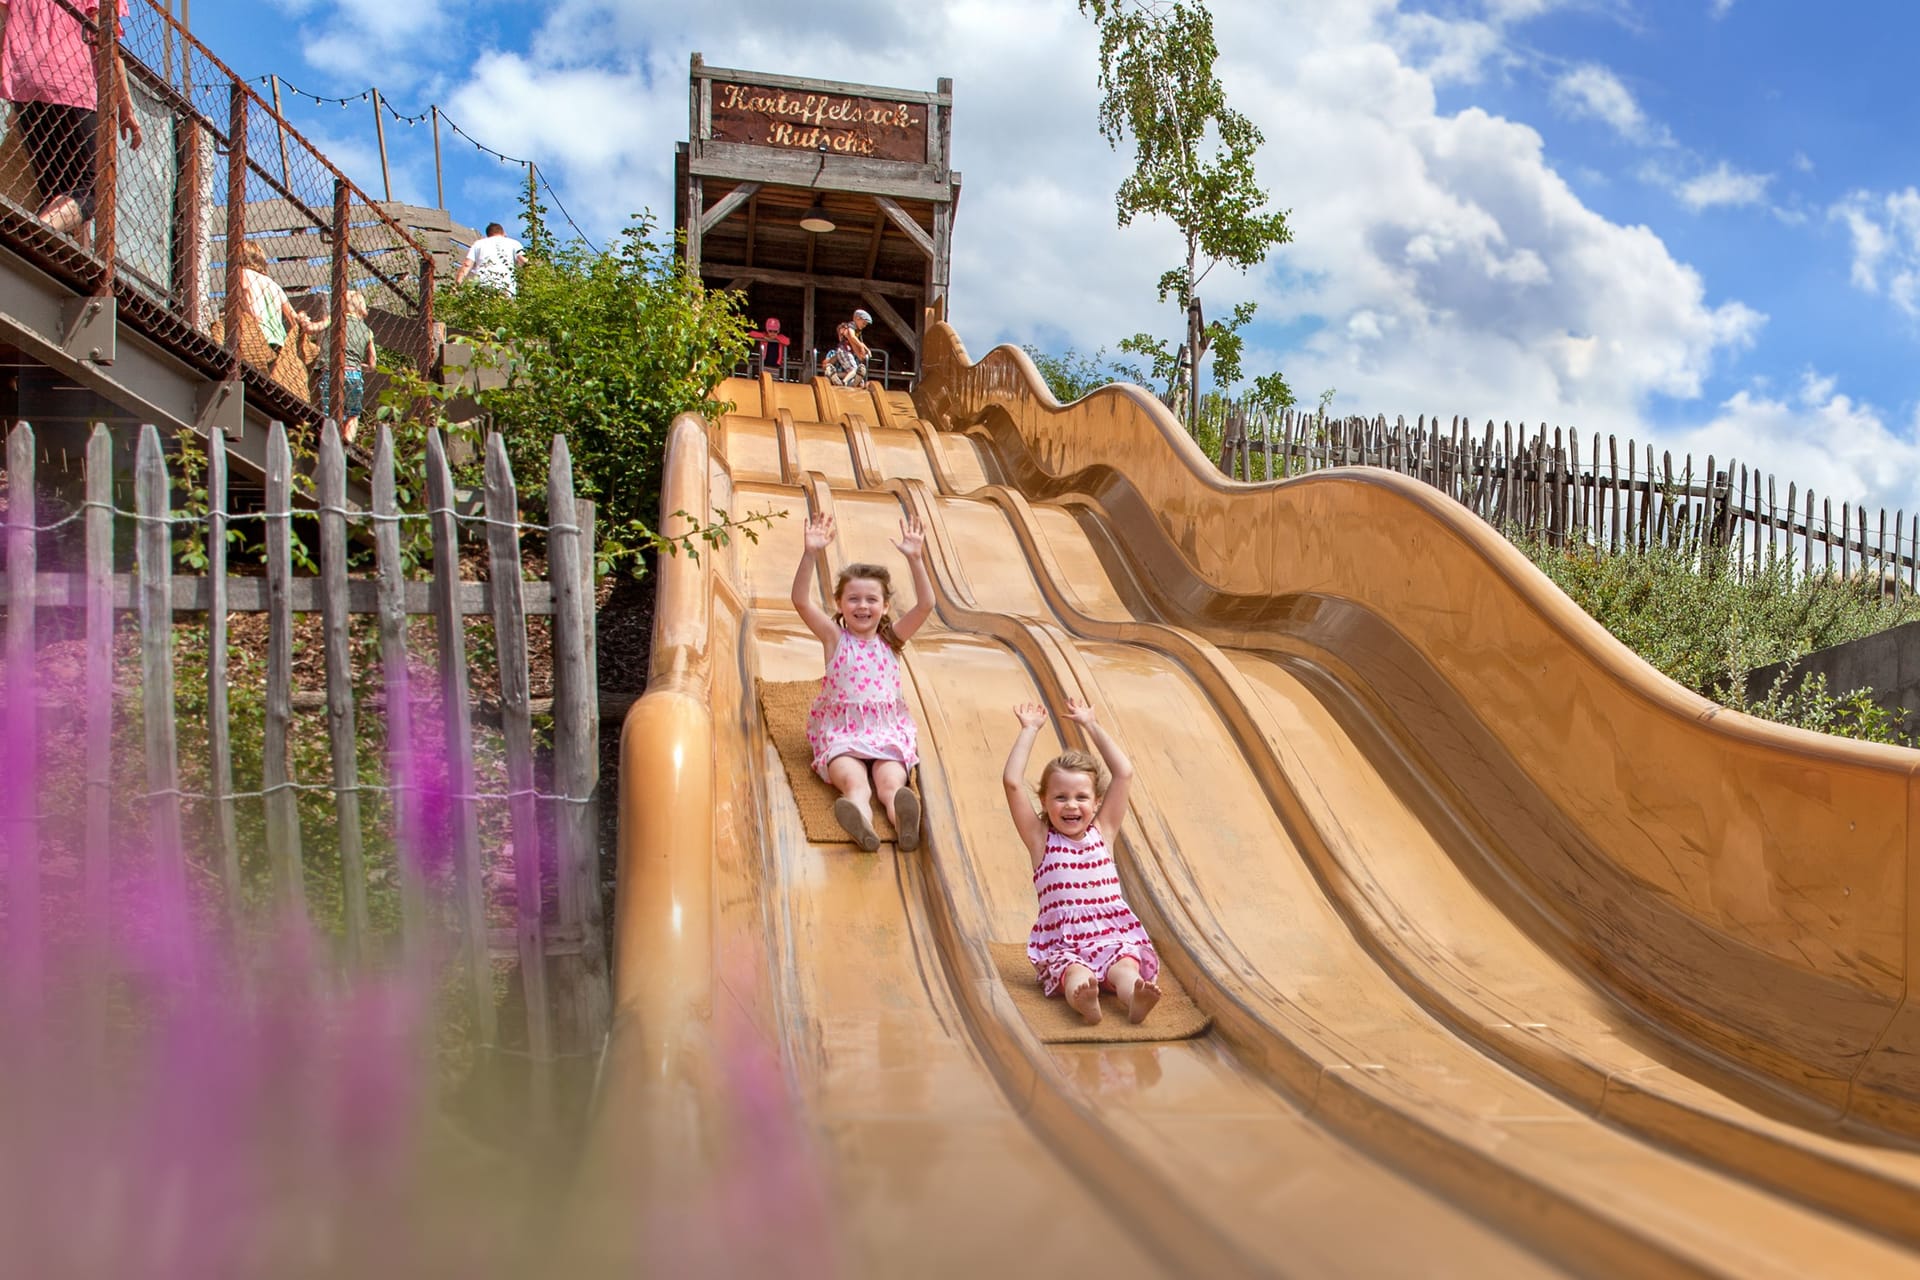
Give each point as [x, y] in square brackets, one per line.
[1506, 939]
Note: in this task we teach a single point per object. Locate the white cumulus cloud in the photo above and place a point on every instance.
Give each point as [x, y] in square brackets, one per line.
[1723, 185]
[1592, 92]
[1885, 231]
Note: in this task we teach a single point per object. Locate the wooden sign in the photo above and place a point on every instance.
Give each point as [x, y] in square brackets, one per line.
[802, 121]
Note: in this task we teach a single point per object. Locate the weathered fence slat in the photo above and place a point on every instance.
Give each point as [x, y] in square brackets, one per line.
[99, 670]
[219, 734]
[22, 723]
[510, 646]
[1826, 533]
[282, 807]
[576, 744]
[1613, 493]
[153, 550]
[403, 769]
[457, 716]
[331, 482]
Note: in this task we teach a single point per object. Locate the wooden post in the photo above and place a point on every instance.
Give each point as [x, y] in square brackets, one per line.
[234, 304]
[153, 551]
[23, 725]
[336, 406]
[280, 128]
[1846, 539]
[331, 477]
[99, 668]
[576, 744]
[106, 157]
[403, 769]
[283, 809]
[189, 255]
[457, 714]
[439, 175]
[219, 735]
[380, 134]
[510, 644]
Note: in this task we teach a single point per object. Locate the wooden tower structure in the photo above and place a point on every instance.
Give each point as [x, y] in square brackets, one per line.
[816, 197]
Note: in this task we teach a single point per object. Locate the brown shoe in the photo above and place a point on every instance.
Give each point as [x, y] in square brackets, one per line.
[853, 820]
[906, 806]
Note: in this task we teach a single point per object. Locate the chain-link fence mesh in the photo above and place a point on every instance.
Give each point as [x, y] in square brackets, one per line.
[150, 155]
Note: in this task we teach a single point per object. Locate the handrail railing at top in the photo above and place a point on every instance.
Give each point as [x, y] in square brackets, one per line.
[205, 182]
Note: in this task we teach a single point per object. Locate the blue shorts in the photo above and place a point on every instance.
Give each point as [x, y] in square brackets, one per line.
[356, 392]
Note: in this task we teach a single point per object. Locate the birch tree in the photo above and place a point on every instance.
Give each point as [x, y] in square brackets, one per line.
[1193, 165]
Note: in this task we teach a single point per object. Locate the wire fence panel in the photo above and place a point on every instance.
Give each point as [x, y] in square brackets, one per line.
[143, 167]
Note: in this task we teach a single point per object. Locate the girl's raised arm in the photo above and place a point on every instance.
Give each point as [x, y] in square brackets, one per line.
[1113, 805]
[912, 545]
[817, 536]
[1031, 826]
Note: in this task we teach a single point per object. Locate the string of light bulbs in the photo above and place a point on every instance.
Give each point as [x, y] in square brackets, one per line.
[369, 94]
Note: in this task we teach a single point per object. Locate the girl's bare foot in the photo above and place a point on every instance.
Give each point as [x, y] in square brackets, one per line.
[1145, 996]
[1085, 1000]
[906, 809]
[853, 820]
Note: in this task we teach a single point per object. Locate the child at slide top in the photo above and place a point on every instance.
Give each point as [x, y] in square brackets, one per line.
[1086, 937]
[862, 736]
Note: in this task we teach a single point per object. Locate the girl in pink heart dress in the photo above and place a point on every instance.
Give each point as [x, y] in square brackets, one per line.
[861, 734]
[1086, 936]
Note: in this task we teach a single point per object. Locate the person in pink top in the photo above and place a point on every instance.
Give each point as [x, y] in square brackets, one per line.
[861, 733]
[47, 72]
[1086, 936]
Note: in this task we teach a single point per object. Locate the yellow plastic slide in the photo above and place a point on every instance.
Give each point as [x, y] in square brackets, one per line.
[1520, 958]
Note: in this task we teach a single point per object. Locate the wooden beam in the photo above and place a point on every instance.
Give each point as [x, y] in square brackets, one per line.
[894, 322]
[873, 246]
[808, 85]
[915, 232]
[727, 204]
[753, 223]
[802, 280]
[744, 162]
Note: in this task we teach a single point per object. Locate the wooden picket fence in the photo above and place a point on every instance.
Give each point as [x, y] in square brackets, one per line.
[561, 960]
[1544, 486]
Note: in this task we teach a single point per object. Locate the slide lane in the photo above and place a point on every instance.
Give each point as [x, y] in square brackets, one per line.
[1209, 1162]
[1504, 1144]
[1410, 876]
[1402, 1043]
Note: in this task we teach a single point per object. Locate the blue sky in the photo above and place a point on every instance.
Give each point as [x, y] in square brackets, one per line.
[1687, 220]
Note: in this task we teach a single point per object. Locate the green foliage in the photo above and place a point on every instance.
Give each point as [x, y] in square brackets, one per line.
[1193, 159]
[1073, 375]
[606, 347]
[1691, 616]
[1810, 704]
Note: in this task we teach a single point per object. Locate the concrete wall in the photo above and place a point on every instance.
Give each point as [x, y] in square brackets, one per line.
[1887, 663]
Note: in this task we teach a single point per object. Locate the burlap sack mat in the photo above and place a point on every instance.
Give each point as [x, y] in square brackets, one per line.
[784, 704]
[1176, 1017]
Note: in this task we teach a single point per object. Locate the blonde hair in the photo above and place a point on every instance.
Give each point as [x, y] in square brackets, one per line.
[1073, 762]
[252, 255]
[356, 303]
[870, 573]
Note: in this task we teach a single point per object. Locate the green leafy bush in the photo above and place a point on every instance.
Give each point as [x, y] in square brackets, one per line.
[1688, 613]
[606, 347]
